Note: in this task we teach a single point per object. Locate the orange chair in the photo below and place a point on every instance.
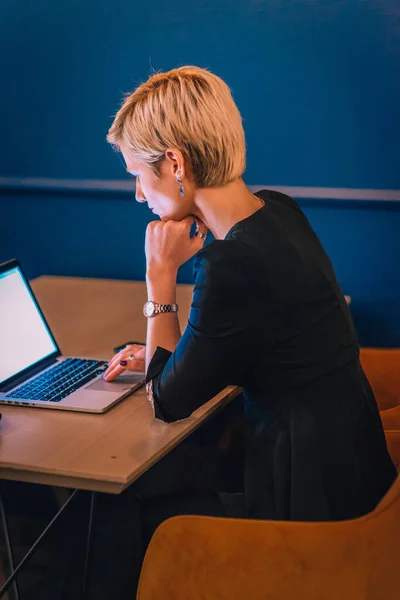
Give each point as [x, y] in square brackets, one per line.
[382, 367]
[391, 418]
[393, 444]
[206, 558]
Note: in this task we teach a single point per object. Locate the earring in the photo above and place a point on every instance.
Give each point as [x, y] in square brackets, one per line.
[181, 189]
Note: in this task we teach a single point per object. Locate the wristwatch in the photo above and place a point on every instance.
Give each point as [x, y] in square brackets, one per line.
[151, 309]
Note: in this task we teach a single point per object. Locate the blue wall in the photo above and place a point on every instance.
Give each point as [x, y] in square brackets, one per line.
[317, 83]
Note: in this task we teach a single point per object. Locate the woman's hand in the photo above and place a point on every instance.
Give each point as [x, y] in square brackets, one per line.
[169, 245]
[122, 362]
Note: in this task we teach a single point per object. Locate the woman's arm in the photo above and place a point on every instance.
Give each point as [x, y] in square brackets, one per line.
[162, 330]
[168, 245]
[221, 340]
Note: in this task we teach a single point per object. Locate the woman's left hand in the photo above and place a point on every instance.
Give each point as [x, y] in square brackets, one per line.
[169, 245]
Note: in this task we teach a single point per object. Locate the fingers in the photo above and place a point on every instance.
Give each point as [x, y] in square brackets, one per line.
[128, 356]
[201, 227]
[201, 233]
[117, 368]
[121, 361]
[109, 375]
[133, 365]
[169, 243]
[199, 238]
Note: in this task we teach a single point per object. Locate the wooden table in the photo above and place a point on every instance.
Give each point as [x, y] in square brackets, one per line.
[98, 452]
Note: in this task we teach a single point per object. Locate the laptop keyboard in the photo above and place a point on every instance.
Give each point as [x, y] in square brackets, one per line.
[60, 381]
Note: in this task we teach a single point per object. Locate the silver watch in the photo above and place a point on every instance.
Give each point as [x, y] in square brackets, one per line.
[152, 309]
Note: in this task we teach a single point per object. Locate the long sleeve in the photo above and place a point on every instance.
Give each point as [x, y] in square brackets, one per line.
[216, 347]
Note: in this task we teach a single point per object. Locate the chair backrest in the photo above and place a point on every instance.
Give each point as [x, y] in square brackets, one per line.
[393, 445]
[205, 558]
[382, 368]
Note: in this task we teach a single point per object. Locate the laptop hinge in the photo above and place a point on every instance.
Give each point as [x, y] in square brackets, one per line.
[33, 371]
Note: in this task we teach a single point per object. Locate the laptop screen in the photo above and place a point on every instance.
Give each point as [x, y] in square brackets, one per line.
[25, 339]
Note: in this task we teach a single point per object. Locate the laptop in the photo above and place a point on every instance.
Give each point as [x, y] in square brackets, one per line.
[33, 371]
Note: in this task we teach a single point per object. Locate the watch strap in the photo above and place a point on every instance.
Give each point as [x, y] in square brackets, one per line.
[165, 308]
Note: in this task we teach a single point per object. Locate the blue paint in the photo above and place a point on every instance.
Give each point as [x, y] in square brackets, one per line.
[318, 86]
[317, 82]
[362, 240]
[93, 236]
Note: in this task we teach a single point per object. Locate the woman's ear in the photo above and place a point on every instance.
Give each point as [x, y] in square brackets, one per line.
[176, 162]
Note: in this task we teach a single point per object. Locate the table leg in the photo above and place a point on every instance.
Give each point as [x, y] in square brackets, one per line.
[4, 523]
[11, 579]
[88, 543]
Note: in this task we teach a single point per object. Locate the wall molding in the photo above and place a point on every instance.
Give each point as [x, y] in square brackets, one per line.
[123, 186]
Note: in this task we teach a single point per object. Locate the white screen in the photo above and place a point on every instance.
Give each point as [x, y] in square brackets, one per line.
[24, 337]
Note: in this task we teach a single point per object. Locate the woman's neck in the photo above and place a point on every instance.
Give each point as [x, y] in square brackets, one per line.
[221, 208]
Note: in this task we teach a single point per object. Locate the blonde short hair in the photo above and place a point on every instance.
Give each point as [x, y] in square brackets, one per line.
[189, 109]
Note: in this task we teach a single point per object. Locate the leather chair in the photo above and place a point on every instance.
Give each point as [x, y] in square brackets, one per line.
[393, 444]
[207, 558]
[382, 367]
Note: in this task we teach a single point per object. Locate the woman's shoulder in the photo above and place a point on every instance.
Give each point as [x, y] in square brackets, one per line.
[222, 260]
[274, 196]
[221, 252]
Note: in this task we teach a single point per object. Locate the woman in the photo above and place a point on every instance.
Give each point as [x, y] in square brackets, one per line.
[267, 314]
[267, 311]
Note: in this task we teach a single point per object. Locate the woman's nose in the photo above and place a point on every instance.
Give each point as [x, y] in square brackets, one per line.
[140, 197]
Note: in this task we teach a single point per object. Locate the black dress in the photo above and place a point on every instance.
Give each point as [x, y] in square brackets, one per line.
[268, 315]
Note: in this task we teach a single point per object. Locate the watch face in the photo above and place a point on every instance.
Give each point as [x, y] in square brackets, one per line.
[149, 309]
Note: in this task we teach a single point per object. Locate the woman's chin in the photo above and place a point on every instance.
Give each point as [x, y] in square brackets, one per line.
[171, 216]
[166, 216]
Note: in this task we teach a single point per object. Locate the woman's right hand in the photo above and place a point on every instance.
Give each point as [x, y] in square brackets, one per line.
[122, 362]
